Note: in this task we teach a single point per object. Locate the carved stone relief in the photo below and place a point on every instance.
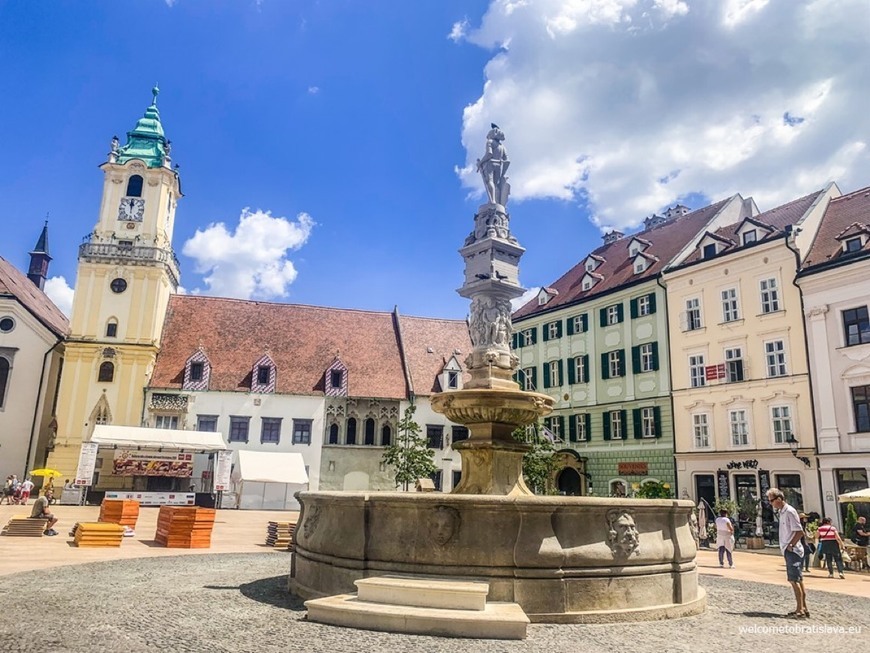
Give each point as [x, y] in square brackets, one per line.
[622, 536]
[444, 524]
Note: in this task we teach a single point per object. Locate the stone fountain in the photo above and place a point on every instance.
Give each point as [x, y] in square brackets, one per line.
[562, 559]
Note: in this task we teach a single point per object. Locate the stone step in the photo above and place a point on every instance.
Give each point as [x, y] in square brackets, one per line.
[423, 592]
[496, 621]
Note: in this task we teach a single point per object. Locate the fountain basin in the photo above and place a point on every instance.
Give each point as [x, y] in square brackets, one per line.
[562, 559]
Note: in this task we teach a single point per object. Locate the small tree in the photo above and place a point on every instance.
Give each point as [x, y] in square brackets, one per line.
[654, 490]
[410, 455]
[851, 520]
[539, 463]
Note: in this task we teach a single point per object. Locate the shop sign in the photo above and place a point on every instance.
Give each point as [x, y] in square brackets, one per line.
[152, 463]
[223, 467]
[764, 482]
[633, 469]
[722, 483]
[715, 372]
[87, 464]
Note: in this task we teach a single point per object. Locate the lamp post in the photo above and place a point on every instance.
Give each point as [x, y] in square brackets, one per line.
[793, 445]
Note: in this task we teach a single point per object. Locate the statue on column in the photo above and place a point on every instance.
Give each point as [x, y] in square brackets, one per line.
[493, 167]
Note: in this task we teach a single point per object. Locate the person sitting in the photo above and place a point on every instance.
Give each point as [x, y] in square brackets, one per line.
[40, 511]
[860, 534]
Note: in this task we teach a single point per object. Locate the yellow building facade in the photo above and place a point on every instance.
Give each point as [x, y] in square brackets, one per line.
[741, 388]
[126, 274]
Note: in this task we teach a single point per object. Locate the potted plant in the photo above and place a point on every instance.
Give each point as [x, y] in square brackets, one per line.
[749, 511]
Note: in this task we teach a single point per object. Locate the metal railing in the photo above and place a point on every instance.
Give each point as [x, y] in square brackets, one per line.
[130, 255]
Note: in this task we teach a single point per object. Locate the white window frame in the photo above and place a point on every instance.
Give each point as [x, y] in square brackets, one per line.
[613, 314]
[166, 422]
[580, 427]
[527, 379]
[639, 265]
[553, 330]
[587, 284]
[579, 369]
[613, 364]
[746, 236]
[616, 425]
[527, 337]
[578, 324]
[646, 357]
[701, 430]
[693, 314]
[648, 422]
[775, 359]
[781, 423]
[769, 292]
[590, 266]
[555, 381]
[697, 371]
[554, 426]
[643, 305]
[738, 428]
[730, 305]
[731, 357]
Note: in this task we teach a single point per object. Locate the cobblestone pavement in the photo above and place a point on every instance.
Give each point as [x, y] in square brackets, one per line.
[238, 603]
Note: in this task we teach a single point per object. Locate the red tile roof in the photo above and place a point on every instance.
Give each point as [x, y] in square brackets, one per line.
[428, 345]
[842, 212]
[776, 219]
[15, 283]
[303, 342]
[666, 240]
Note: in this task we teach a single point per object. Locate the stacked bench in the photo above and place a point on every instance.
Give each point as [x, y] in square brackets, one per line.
[187, 527]
[120, 511]
[23, 526]
[279, 534]
[98, 534]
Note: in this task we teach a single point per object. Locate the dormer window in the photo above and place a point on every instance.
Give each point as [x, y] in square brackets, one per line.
[749, 236]
[263, 377]
[639, 265]
[852, 245]
[196, 371]
[590, 265]
[335, 378]
[263, 374]
[452, 379]
[134, 186]
[710, 250]
[587, 283]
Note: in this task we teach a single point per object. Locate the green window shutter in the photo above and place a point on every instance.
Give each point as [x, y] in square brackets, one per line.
[633, 308]
[515, 341]
[534, 335]
[603, 316]
[624, 424]
[545, 332]
[547, 380]
[535, 377]
[652, 303]
[635, 359]
[559, 329]
[561, 373]
[561, 419]
[517, 378]
[584, 319]
[655, 355]
[621, 357]
[605, 423]
[657, 416]
[572, 428]
[635, 418]
[587, 419]
[570, 327]
[605, 368]
[572, 372]
[586, 368]
[619, 315]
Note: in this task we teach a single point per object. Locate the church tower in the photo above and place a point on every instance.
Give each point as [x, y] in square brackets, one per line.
[39, 260]
[126, 273]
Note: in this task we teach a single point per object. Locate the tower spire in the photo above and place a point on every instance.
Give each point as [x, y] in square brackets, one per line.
[40, 258]
[146, 141]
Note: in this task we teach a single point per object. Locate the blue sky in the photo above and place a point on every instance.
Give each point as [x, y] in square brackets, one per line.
[366, 116]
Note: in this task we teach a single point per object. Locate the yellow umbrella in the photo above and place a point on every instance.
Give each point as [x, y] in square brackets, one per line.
[49, 473]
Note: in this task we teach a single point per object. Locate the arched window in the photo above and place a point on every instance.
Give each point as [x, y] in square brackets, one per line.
[112, 328]
[370, 431]
[333, 434]
[134, 186]
[4, 380]
[351, 431]
[386, 435]
[107, 373]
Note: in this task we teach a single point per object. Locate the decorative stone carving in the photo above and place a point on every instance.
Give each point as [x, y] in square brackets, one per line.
[493, 167]
[169, 402]
[491, 322]
[444, 524]
[311, 520]
[622, 535]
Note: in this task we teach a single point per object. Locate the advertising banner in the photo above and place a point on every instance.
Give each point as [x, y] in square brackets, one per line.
[156, 498]
[87, 464]
[152, 463]
[223, 467]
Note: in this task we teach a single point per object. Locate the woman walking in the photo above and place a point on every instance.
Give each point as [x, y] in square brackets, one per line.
[724, 538]
[830, 545]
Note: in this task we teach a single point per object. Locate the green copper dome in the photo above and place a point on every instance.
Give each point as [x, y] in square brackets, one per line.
[146, 141]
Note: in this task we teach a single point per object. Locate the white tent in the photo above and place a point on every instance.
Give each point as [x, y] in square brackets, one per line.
[858, 496]
[131, 437]
[266, 480]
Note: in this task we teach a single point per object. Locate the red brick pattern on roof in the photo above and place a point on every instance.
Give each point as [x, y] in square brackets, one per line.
[842, 212]
[666, 240]
[15, 283]
[429, 344]
[776, 219]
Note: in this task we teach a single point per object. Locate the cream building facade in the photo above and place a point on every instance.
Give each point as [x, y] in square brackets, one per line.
[126, 274]
[741, 389]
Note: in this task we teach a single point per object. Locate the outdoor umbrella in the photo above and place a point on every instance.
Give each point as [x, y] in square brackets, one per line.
[48, 473]
[858, 496]
[702, 519]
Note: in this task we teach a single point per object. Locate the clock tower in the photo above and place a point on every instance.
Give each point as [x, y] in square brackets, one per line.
[126, 273]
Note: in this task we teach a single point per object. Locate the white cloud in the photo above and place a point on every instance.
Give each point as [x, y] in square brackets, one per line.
[313, 90]
[525, 298]
[457, 33]
[631, 105]
[59, 291]
[250, 262]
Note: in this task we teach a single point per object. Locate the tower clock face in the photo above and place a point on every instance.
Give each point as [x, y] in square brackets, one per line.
[131, 209]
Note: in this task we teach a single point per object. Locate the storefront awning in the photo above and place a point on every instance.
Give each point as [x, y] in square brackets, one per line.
[136, 436]
[270, 467]
[858, 496]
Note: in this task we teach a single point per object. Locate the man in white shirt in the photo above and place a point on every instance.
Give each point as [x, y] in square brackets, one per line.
[26, 487]
[790, 533]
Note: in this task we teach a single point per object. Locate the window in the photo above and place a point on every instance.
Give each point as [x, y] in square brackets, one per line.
[861, 406]
[6, 325]
[302, 431]
[369, 432]
[647, 357]
[196, 371]
[111, 329]
[591, 265]
[613, 314]
[263, 374]
[554, 330]
[696, 371]
[739, 428]
[239, 427]
[648, 422]
[554, 425]
[435, 436]
[644, 305]
[587, 283]
[118, 285]
[734, 364]
[527, 378]
[769, 296]
[853, 245]
[577, 324]
[335, 378]
[134, 186]
[614, 363]
[459, 433]
[579, 428]
[452, 379]
[749, 236]
[615, 421]
[710, 250]
[553, 374]
[730, 310]
[781, 416]
[106, 373]
[528, 337]
[701, 429]
[856, 324]
[333, 434]
[386, 435]
[639, 265]
[166, 422]
[350, 436]
[693, 314]
[580, 369]
[775, 353]
[270, 430]
[790, 484]
[206, 423]
[125, 244]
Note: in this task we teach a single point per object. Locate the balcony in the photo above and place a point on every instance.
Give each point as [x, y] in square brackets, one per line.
[123, 254]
